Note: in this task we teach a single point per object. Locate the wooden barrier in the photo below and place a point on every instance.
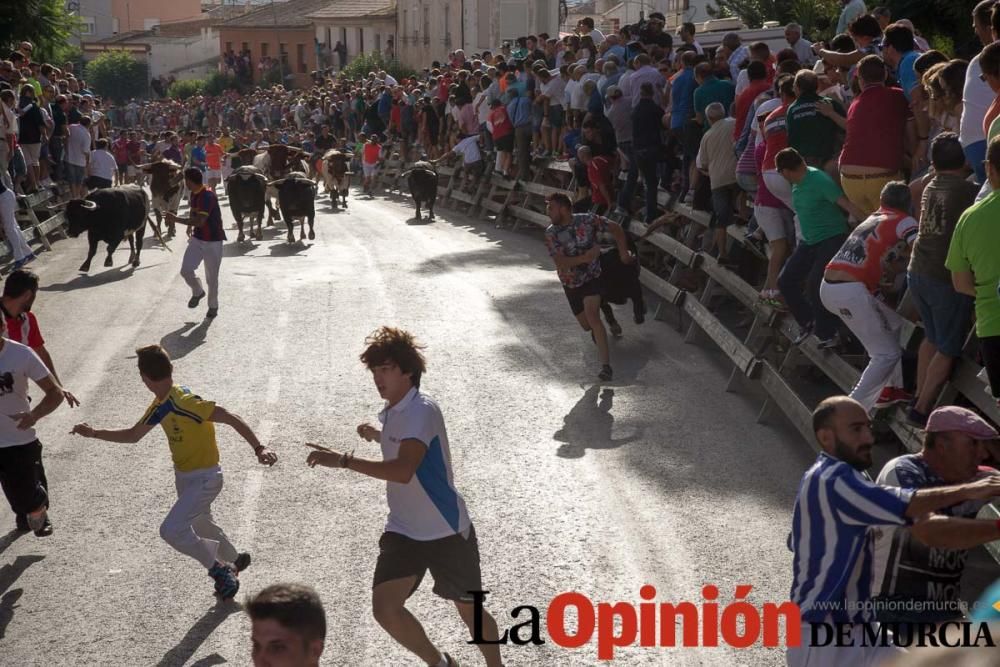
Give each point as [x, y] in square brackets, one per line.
[27, 215]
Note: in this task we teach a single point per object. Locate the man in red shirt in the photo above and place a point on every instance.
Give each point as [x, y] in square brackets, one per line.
[757, 72]
[599, 177]
[19, 291]
[868, 263]
[120, 150]
[880, 129]
[502, 131]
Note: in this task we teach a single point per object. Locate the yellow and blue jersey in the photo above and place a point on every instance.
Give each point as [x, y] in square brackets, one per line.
[184, 417]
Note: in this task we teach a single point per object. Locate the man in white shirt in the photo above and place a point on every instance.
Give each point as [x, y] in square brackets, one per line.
[585, 28]
[802, 47]
[101, 166]
[428, 527]
[77, 157]
[12, 231]
[20, 450]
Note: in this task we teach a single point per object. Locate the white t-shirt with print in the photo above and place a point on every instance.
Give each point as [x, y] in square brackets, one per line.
[427, 507]
[17, 363]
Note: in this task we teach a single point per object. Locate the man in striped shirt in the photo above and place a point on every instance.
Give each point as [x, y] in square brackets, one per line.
[831, 543]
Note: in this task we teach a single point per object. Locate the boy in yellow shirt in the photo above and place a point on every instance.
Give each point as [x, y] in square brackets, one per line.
[189, 423]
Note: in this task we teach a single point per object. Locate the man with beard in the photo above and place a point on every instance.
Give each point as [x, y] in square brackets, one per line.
[832, 545]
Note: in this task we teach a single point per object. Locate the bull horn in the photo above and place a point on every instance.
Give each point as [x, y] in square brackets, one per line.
[277, 182]
[57, 207]
[89, 205]
[145, 166]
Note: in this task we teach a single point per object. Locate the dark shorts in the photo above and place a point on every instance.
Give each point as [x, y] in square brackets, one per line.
[505, 143]
[22, 477]
[989, 348]
[945, 314]
[576, 295]
[556, 117]
[453, 562]
[122, 169]
[723, 203]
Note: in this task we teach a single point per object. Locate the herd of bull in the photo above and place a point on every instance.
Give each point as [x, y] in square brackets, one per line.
[277, 179]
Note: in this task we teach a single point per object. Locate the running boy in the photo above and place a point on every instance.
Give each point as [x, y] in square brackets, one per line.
[371, 154]
[189, 422]
[428, 527]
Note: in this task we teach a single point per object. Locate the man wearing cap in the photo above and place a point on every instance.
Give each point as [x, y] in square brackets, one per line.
[957, 440]
[831, 538]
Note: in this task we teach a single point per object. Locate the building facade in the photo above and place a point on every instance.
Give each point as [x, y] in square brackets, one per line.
[429, 29]
[363, 26]
[144, 14]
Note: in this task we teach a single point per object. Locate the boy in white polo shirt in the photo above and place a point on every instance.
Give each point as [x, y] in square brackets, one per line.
[428, 527]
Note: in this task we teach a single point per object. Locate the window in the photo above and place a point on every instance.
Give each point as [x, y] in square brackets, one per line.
[283, 54]
[246, 46]
[88, 25]
[229, 47]
[405, 22]
[300, 56]
[264, 49]
[378, 42]
[427, 25]
[447, 26]
[361, 40]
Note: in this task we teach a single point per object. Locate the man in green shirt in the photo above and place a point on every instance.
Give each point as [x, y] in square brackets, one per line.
[812, 133]
[711, 89]
[820, 209]
[975, 265]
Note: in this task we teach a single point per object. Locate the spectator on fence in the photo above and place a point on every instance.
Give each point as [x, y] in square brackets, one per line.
[32, 130]
[975, 266]
[946, 314]
[686, 32]
[20, 250]
[648, 121]
[832, 576]
[854, 286]
[877, 127]
[900, 53]
[758, 83]
[820, 207]
[599, 177]
[717, 161]
[78, 144]
[759, 52]
[977, 96]
[519, 111]
[711, 89]
[737, 52]
[101, 166]
[802, 47]
[814, 123]
[928, 580]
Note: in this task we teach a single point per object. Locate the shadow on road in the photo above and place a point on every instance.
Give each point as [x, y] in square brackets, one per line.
[196, 636]
[238, 249]
[210, 661]
[589, 425]
[289, 249]
[9, 539]
[8, 575]
[423, 220]
[177, 343]
[111, 275]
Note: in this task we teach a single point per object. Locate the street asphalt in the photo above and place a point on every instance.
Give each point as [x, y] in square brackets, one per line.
[659, 477]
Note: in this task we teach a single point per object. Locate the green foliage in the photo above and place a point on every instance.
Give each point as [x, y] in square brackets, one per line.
[272, 77]
[218, 83]
[813, 15]
[181, 90]
[117, 75]
[942, 20]
[44, 23]
[943, 43]
[373, 62]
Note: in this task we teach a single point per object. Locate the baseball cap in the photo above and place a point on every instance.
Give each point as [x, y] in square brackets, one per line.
[961, 420]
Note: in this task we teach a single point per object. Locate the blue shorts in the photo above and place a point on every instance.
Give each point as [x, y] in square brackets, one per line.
[946, 314]
[556, 117]
[75, 173]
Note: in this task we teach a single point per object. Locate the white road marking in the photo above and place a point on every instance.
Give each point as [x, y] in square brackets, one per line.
[273, 389]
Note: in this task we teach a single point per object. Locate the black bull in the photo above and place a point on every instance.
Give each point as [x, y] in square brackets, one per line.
[246, 189]
[297, 199]
[423, 183]
[111, 215]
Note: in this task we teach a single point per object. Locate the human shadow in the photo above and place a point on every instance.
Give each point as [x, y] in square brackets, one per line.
[10, 538]
[8, 600]
[197, 634]
[184, 340]
[589, 425]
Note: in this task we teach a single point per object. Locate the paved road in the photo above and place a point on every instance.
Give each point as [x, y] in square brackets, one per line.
[658, 478]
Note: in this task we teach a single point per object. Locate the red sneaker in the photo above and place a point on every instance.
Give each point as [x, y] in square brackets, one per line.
[891, 396]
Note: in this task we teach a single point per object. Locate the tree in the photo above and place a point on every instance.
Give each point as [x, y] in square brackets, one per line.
[44, 23]
[117, 75]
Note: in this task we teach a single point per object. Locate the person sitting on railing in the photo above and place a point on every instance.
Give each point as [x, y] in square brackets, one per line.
[868, 264]
[717, 161]
[928, 580]
[946, 314]
[820, 205]
[975, 266]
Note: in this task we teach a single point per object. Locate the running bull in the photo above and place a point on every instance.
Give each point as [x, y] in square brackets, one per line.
[336, 176]
[297, 200]
[166, 184]
[111, 215]
[422, 180]
[247, 188]
[276, 162]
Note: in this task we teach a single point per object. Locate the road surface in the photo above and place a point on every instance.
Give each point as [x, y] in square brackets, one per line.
[660, 477]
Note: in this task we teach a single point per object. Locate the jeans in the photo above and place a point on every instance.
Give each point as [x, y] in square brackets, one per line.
[646, 162]
[805, 268]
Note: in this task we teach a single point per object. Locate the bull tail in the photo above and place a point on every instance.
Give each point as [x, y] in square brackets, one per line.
[157, 232]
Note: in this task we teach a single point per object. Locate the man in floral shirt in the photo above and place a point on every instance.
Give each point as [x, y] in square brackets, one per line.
[572, 242]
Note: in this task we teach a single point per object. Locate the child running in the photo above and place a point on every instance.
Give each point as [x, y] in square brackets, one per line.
[189, 422]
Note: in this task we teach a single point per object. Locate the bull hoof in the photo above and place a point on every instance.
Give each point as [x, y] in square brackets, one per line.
[84, 268]
[260, 235]
[107, 262]
[312, 235]
[291, 238]
[135, 263]
[345, 202]
[430, 217]
[240, 238]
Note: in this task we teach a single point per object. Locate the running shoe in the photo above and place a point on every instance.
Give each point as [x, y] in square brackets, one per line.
[606, 373]
[226, 583]
[829, 343]
[892, 396]
[916, 418]
[46, 528]
[804, 332]
[242, 562]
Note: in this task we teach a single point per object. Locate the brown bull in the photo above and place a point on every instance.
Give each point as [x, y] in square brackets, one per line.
[166, 182]
[336, 176]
